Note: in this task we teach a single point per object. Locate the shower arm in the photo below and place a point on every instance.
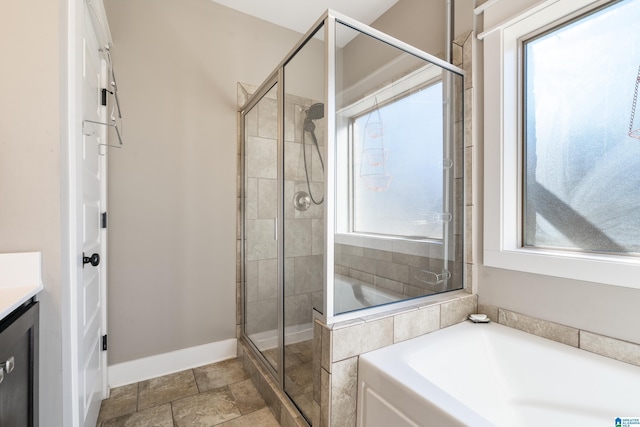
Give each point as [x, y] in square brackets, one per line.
[450, 16]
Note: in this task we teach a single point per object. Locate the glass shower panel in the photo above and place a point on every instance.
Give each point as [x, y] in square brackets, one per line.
[260, 207]
[399, 186]
[304, 157]
[352, 195]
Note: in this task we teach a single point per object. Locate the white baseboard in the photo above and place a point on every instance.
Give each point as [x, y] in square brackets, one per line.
[168, 363]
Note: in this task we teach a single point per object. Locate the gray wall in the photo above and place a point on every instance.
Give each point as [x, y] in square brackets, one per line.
[172, 189]
[603, 309]
[417, 22]
[31, 36]
[421, 23]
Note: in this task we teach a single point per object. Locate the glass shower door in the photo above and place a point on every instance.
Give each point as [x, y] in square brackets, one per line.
[398, 175]
[304, 156]
[260, 212]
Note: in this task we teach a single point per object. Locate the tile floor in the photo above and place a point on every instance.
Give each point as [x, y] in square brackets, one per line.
[220, 394]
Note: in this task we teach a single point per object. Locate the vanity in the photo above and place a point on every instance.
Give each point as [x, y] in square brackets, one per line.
[20, 281]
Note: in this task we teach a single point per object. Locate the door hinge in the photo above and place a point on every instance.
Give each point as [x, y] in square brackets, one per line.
[103, 220]
[104, 343]
[104, 97]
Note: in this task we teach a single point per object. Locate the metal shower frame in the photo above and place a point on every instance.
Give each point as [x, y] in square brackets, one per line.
[329, 20]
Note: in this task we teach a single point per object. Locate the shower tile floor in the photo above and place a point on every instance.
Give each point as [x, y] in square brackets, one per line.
[220, 394]
[298, 374]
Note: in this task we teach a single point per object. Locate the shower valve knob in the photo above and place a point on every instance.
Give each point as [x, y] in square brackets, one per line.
[301, 200]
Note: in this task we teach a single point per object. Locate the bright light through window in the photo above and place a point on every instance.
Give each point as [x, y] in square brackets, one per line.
[582, 166]
[397, 171]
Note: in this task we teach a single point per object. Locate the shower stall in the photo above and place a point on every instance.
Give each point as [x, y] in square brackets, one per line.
[352, 192]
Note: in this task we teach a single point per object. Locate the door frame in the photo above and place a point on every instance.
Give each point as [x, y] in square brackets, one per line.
[71, 225]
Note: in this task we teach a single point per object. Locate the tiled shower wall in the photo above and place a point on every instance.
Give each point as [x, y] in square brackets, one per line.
[261, 265]
[303, 266]
[303, 229]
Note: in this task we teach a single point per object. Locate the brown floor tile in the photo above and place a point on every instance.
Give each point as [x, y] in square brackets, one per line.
[173, 400]
[158, 416]
[219, 374]
[164, 389]
[298, 379]
[122, 401]
[291, 358]
[247, 397]
[304, 350]
[205, 409]
[260, 418]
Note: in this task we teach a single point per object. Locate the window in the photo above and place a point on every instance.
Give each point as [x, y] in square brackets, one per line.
[582, 167]
[397, 166]
[561, 164]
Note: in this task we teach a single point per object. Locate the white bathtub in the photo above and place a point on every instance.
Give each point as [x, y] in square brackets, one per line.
[491, 375]
[353, 294]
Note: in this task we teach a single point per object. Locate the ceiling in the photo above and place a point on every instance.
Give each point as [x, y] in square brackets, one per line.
[299, 15]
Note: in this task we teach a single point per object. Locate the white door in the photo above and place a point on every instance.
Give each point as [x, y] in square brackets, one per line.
[91, 284]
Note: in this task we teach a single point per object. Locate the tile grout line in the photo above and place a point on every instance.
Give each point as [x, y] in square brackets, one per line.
[137, 395]
[193, 372]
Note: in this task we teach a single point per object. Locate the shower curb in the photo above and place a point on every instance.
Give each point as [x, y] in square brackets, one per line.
[278, 402]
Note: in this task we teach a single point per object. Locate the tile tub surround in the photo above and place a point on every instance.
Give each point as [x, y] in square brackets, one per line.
[343, 342]
[613, 348]
[220, 394]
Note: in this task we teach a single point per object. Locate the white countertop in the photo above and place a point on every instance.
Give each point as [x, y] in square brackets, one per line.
[20, 279]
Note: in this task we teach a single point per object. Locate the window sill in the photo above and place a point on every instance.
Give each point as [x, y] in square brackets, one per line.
[606, 269]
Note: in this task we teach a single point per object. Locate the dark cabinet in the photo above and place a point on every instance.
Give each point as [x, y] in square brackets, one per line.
[19, 362]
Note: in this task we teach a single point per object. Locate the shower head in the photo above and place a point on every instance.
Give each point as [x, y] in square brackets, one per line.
[315, 112]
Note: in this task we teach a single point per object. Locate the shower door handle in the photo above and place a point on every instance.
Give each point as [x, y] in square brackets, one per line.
[275, 228]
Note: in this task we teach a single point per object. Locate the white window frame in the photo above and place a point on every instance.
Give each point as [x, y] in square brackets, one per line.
[420, 246]
[502, 156]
